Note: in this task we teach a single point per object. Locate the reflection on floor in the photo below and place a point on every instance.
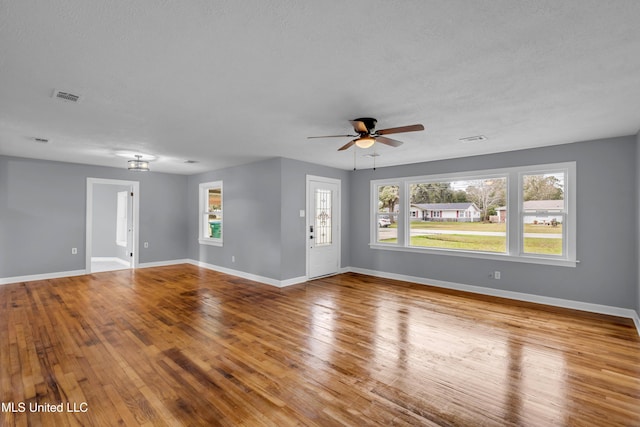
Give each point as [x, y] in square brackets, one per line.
[99, 264]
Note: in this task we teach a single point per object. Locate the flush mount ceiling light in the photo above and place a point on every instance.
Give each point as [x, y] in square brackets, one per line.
[138, 165]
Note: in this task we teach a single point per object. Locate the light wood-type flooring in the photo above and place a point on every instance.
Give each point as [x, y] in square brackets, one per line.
[181, 345]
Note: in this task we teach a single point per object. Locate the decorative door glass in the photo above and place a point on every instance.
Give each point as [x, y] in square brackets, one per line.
[323, 216]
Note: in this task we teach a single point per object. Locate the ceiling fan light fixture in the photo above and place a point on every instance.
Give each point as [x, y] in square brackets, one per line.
[365, 141]
[138, 165]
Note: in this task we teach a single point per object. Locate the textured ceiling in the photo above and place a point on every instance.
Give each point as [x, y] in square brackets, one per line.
[229, 82]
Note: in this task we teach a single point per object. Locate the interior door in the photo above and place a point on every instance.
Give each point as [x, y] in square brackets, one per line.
[323, 226]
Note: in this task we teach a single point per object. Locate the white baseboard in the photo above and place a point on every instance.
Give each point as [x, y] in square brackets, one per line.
[45, 276]
[164, 263]
[519, 296]
[636, 320]
[249, 276]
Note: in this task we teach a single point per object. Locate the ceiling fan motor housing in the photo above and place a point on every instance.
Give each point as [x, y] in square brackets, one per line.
[369, 122]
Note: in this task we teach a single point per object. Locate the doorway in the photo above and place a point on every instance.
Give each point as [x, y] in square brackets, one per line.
[323, 226]
[111, 225]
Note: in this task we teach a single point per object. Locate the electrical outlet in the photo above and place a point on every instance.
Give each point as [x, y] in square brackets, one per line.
[233, 258]
[74, 251]
[496, 275]
[146, 245]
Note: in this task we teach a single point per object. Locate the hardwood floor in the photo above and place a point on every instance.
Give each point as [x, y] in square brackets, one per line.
[186, 346]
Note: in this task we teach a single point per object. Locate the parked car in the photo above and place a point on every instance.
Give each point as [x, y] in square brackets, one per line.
[384, 221]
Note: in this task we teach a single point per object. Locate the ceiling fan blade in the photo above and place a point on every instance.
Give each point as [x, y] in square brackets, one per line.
[332, 136]
[347, 145]
[388, 141]
[359, 126]
[401, 129]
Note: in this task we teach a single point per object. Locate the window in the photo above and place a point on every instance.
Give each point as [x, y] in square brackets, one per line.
[543, 213]
[388, 205]
[210, 227]
[456, 214]
[524, 214]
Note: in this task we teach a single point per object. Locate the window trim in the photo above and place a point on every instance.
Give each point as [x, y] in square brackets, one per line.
[514, 224]
[203, 209]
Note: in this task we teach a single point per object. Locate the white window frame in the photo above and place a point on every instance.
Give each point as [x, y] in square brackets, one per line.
[400, 215]
[204, 212]
[515, 209]
[568, 213]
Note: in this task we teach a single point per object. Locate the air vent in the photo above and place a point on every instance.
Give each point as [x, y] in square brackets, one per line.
[473, 138]
[41, 140]
[66, 96]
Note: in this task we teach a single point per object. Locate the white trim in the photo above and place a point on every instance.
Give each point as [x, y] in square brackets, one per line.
[45, 276]
[519, 296]
[135, 187]
[249, 276]
[477, 254]
[513, 177]
[203, 209]
[309, 217]
[636, 320]
[164, 263]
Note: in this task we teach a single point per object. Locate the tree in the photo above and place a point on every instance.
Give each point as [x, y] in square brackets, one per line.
[388, 197]
[432, 192]
[540, 187]
[460, 196]
[487, 194]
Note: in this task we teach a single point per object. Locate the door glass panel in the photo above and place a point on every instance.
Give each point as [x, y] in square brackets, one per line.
[323, 216]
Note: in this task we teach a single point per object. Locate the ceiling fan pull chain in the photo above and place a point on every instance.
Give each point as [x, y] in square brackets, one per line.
[354, 159]
[374, 157]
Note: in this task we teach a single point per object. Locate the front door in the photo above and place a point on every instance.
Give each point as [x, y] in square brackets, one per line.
[323, 226]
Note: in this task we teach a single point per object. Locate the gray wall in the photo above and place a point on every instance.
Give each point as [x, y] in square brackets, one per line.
[606, 227]
[638, 221]
[42, 216]
[294, 235]
[103, 233]
[43, 208]
[251, 219]
[262, 227]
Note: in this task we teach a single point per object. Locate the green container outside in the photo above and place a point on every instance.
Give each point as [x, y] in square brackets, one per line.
[216, 228]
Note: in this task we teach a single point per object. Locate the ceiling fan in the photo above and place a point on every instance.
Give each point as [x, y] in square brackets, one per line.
[367, 135]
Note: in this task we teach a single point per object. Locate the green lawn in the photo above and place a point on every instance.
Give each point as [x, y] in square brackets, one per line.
[483, 243]
[482, 226]
[466, 226]
[459, 241]
[534, 245]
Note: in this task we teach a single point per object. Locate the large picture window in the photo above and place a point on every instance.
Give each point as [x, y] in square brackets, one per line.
[210, 224]
[525, 214]
[455, 214]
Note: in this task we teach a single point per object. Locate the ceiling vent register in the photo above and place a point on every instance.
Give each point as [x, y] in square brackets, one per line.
[66, 96]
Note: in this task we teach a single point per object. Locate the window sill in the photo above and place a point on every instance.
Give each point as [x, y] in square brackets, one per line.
[480, 255]
[210, 242]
